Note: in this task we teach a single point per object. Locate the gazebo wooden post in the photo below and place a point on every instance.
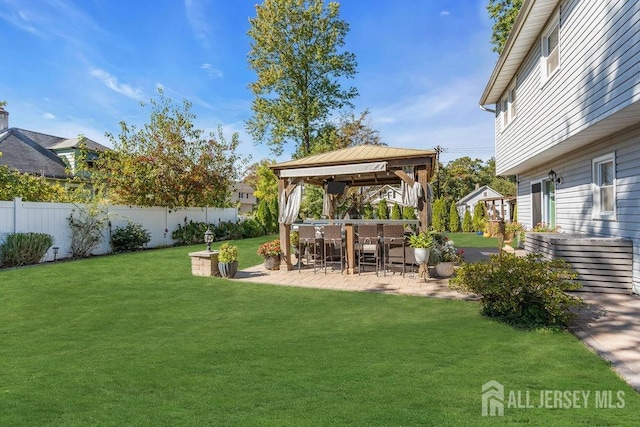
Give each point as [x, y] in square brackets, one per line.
[423, 203]
[285, 238]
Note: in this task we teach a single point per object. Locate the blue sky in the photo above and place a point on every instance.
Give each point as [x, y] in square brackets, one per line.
[80, 67]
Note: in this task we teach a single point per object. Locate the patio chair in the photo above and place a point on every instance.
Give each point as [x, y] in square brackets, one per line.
[368, 246]
[311, 244]
[393, 246]
[333, 239]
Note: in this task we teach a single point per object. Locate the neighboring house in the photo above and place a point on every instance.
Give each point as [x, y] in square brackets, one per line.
[41, 154]
[498, 206]
[388, 193]
[242, 195]
[567, 117]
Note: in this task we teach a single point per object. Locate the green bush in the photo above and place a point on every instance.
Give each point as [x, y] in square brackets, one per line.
[467, 222]
[227, 253]
[129, 238]
[523, 291]
[439, 215]
[227, 231]
[383, 210]
[251, 228]
[24, 248]
[408, 212]
[479, 216]
[190, 233]
[367, 211]
[396, 213]
[454, 219]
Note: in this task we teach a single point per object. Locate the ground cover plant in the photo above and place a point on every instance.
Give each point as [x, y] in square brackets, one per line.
[135, 339]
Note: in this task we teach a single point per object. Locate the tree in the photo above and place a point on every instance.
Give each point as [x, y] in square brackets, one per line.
[408, 212]
[299, 70]
[454, 218]
[396, 213]
[311, 205]
[467, 222]
[479, 216]
[383, 210]
[440, 215]
[169, 162]
[503, 13]
[367, 211]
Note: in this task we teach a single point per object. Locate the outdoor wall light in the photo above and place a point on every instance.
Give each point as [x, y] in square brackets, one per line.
[553, 177]
[55, 252]
[208, 238]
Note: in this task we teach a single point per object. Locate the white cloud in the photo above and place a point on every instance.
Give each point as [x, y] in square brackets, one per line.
[49, 116]
[112, 83]
[196, 14]
[445, 13]
[212, 72]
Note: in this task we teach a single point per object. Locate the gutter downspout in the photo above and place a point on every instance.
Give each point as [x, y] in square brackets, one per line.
[488, 110]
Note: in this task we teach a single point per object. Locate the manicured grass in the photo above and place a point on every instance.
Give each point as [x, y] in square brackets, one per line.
[135, 339]
[472, 240]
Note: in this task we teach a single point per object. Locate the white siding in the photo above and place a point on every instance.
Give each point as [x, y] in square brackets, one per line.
[574, 197]
[598, 76]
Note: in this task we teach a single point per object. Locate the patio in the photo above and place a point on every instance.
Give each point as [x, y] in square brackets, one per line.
[392, 283]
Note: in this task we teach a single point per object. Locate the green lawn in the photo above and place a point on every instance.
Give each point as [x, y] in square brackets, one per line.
[472, 240]
[135, 339]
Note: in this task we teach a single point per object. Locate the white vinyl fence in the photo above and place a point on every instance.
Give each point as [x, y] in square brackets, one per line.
[52, 218]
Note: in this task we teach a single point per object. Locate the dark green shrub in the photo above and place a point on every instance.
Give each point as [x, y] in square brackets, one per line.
[479, 216]
[129, 238]
[454, 219]
[228, 231]
[86, 223]
[523, 291]
[251, 228]
[408, 212]
[190, 233]
[440, 215]
[367, 211]
[24, 248]
[467, 222]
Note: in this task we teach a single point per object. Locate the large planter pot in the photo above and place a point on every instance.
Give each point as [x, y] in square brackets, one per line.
[228, 269]
[444, 269]
[272, 262]
[421, 255]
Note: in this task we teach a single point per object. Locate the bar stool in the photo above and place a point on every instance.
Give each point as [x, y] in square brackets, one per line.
[312, 243]
[368, 241]
[332, 238]
[392, 238]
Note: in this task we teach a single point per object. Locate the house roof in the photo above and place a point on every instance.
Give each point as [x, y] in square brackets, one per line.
[477, 191]
[32, 152]
[531, 20]
[360, 165]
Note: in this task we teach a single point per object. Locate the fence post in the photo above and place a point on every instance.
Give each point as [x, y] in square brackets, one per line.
[17, 214]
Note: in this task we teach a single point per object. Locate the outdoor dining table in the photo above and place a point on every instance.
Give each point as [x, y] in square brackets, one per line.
[349, 226]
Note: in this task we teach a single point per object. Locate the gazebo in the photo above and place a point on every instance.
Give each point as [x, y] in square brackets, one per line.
[364, 165]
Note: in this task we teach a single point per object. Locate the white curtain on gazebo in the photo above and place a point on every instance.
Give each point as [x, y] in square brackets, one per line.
[289, 204]
[331, 202]
[411, 194]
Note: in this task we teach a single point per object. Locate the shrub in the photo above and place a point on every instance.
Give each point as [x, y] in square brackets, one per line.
[86, 223]
[367, 211]
[227, 253]
[479, 216]
[271, 248]
[227, 231]
[408, 212]
[396, 213]
[190, 233]
[383, 210]
[129, 238]
[439, 215]
[523, 291]
[24, 248]
[467, 222]
[454, 219]
[251, 228]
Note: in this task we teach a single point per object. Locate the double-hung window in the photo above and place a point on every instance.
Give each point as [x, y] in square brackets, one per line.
[508, 107]
[550, 61]
[604, 187]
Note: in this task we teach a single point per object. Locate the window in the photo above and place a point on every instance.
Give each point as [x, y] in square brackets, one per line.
[508, 107]
[550, 60]
[604, 187]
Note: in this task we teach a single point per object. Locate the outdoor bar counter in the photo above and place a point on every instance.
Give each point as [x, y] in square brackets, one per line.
[350, 233]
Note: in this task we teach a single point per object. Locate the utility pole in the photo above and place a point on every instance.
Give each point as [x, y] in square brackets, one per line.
[437, 170]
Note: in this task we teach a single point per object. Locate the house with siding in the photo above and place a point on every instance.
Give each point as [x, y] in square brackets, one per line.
[243, 197]
[498, 206]
[566, 91]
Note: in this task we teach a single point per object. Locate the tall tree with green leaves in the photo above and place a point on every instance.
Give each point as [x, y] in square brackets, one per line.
[168, 162]
[382, 211]
[503, 13]
[296, 54]
[454, 218]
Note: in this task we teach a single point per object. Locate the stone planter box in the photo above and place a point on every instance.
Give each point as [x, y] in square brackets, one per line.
[204, 263]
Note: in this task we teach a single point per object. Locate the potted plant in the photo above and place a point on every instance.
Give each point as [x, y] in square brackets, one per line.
[271, 252]
[228, 260]
[446, 256]
[421, 244]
